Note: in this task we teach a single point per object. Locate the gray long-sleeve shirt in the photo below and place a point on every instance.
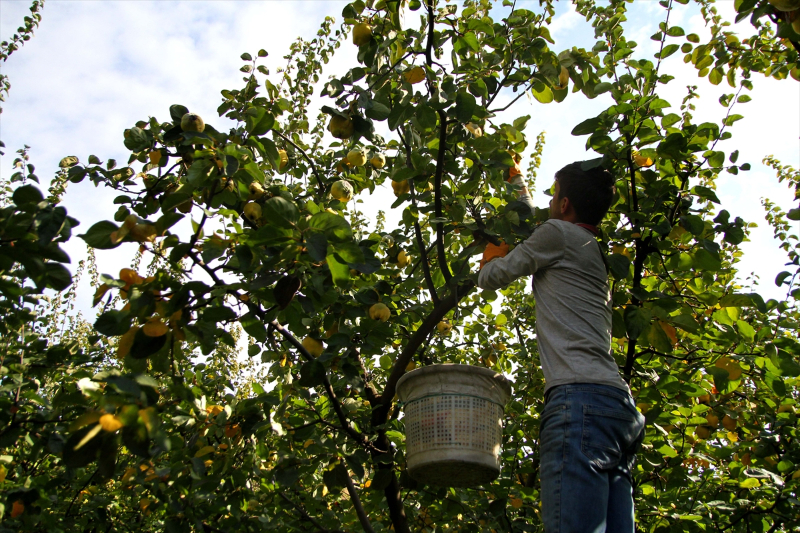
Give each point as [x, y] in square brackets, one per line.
[573, 302]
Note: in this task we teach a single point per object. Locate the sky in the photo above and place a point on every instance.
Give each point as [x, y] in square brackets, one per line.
[94, 68]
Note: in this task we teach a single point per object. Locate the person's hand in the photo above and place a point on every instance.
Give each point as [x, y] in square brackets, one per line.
[494, 251]
[513, 172]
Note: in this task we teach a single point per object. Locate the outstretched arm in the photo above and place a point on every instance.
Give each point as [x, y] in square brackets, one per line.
[543, 249]
[523, 193]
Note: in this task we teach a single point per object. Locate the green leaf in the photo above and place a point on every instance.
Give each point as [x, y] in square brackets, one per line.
[144, 346]
[350, 252]
[667, 51]
[254, 326]
[336, 228]
[99, 235]
[658, 338]
[312, 373]
[542, 92]
[587, 126]
[619, 265]
[27, 195]
[340, 272]
[636, 320]
[780, 279]
[58, 277]
[69, 161]
[704, 260]
[281, 212]
[177, 111]
[465, 105]
[258, 121]
[113, 323]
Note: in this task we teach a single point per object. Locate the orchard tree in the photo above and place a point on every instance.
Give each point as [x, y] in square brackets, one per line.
[246, 380]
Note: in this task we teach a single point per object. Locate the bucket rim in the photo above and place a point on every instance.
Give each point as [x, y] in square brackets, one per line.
[448, 368]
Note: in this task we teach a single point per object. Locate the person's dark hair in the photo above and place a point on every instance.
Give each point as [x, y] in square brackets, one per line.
[589, 191]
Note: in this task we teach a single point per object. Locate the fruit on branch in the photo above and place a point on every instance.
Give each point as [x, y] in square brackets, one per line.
[342, 191]
[401, 187]
[313, 346]
[285, 290]
[154, 156]
[252, 211]
[785, 5]
[403, 260]
[728, 423]
[378, 161]
[702, 432]
[380, 312]
[357, 157]
[283, 159]
[444, 327]
[192, 122]
[712, 419]
[341, 127]
[256, 191]
[362, 34]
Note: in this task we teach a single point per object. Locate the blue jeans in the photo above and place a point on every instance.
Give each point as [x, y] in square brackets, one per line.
[588, 439]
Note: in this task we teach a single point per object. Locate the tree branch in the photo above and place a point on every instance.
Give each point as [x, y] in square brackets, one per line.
[351, 489]
[437, 191]
[337, 407]
[423, 254]
[380, 413]
[320, 183]
[304, 514]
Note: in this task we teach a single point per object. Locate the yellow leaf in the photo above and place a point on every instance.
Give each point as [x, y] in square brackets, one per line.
[148, 417]
[128, 275]
[128, 475]
[17, 509]
[730, 366]
[214, 410]
[670, 331]
[415, 75]
[89, 436]
[84, 420]
[3, 473]
[110, 423]
[642, 161]
[125, 342]
[308, 443]
[205, 450]
[144, 503]
[155, 328]
[99, 293]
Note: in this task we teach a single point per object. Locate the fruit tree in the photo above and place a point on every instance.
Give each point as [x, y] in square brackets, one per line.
[241, 375]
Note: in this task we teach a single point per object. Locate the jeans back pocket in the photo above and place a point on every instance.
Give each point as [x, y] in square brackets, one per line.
[608, 434]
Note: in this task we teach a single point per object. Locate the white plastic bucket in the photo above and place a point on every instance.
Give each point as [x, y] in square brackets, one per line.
[453, 416]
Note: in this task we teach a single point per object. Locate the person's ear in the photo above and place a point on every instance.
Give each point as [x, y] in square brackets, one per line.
[565, 205]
